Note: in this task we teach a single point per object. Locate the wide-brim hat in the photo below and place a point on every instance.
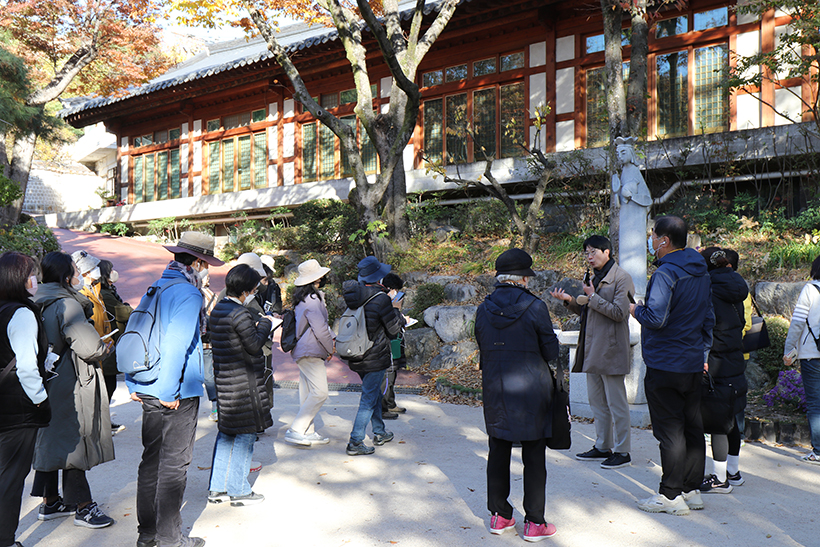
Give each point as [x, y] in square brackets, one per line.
[252, 260]
[371, 270]
[309, 272]
[514, 262]
[197, 244]
[268, 261]
[84, 261]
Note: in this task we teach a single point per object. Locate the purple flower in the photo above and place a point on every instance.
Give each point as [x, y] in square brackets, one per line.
[788, 390]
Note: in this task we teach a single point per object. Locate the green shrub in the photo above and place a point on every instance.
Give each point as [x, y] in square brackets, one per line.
[28, 238]
[420, 215]
[325, 225]
[771, 358]
[169, 228]
[427, 295]
[9, 191]
[114, 228]
[486, 218]
[793, 255]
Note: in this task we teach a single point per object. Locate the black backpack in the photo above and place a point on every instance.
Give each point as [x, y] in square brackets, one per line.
[289, 338]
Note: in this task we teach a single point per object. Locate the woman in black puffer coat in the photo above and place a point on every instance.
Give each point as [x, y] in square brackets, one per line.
[726, 363]
[244, 406]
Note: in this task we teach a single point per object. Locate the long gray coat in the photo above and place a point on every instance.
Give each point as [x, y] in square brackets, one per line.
[79, 435]
[604, 339]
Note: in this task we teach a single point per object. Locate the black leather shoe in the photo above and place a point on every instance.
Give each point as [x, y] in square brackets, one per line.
[146, 541]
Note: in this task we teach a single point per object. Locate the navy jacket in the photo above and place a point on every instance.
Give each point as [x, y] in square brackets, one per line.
[514, 333]
[677, 318]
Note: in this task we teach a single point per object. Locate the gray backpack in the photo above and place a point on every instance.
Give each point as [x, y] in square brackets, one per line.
[352, 341]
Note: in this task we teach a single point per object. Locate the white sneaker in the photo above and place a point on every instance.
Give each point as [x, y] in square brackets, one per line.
[693, 499]
[661, 504]
[315, 438]
[213, 416]
[292, 437]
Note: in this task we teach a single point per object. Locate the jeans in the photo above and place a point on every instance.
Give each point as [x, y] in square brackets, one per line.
[208, 373]
[370, 407]
[16, 453]
[231, 464]
[533, 454]
[674, 408]
[810, 371]
[168, 445]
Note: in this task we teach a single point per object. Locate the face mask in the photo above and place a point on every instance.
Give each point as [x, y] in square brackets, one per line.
[649, 244]
[114, 276]
[33, 290]
[95, 274]
[204, 275]
[248, 299]
[79, 285]
[322, 282]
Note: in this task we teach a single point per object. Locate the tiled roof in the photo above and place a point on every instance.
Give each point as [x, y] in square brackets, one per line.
[225, 56]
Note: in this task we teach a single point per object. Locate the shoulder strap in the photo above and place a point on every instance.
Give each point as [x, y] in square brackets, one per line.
[5, 372]
[807, 317]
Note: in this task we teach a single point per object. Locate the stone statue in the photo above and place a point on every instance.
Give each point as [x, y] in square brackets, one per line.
[634, 199]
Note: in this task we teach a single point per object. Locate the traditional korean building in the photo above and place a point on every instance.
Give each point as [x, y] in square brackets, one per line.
[222, 133]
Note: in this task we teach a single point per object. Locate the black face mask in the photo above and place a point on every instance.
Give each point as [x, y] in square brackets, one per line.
[322, 282]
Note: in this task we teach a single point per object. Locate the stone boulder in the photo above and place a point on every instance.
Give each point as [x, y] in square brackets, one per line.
[420, 346]
[452, 323]
[415, 278]
[461, 353]
[457, 292]
[777, 298]
[442, 279]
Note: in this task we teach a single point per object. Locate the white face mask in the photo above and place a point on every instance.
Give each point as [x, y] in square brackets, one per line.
[33, 290]
[649, 244]
[95, 273]
[248, 299]
[78, 286]
[204, 274]
[114, 276]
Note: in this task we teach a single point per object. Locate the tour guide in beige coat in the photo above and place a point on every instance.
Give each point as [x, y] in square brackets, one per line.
[603, 351]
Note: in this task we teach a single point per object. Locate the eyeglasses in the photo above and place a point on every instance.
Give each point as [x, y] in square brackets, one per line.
[591, 253]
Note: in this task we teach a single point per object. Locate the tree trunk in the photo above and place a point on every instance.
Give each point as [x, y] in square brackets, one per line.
[636, 91]
[615, 101]
[22, 157]
[395, 208]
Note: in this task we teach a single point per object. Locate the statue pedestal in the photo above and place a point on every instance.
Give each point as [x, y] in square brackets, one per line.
[635, 395]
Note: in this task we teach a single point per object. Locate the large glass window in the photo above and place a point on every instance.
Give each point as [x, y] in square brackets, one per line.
[718, 17]
[319, 157]
[711, 64]
[496, 118]
[672, 92]
[237, 163]
[156, 176]
[597, 112]
[672, 26]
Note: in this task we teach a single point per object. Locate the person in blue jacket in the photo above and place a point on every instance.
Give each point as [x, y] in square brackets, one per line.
[676, 334]
[171, 402]
[514, 333]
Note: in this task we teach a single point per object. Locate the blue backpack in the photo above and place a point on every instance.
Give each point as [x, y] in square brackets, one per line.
[138, 351]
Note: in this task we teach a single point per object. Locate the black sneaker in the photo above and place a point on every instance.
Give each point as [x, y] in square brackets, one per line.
[379, 440]
[91, 516]
[146, 540]
[616, 461]
[389, 416]
[713, 486]
[736, 479]
[250, 499]
[359, 449]
[56, 510]
[218, 497]
[593, 454]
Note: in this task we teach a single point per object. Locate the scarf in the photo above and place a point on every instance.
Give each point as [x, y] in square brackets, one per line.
[192, 276]
[600, 274]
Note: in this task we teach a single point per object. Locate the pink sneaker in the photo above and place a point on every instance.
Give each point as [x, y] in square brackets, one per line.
[537, 532]
[498, 524]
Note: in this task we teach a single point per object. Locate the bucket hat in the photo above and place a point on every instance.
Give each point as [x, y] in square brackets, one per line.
[197, 244]
[371, 270]
[310, 271]
[252, 260]
[84, 261]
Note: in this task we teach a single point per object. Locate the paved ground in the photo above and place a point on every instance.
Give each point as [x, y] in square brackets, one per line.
[427, 489]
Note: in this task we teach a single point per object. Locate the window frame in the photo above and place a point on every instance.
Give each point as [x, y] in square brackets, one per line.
[217, 184]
